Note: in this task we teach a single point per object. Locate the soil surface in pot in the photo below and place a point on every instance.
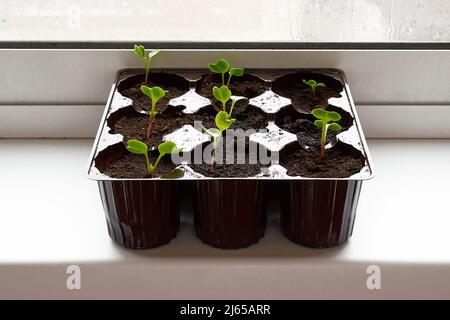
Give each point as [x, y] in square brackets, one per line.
[229, 170]
[247, 116]
[131, 88]
[341, 161]
[248, 85]
[251, 118]
[134, 167]
[303, 99]
[134, 125]
[307, 133]
[302, 125]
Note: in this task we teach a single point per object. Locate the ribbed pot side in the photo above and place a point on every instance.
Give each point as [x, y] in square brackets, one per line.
[141, 214]
[230, 214]
[319, 214]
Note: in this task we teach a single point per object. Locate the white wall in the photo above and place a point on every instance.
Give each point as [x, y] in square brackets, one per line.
[86, 76]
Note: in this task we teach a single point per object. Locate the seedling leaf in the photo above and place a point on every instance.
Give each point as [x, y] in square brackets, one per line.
[139, 51]
[319, 123]
[223, 65]
[323, 118]
[147, 91]
[223, 121]
[154, 93]
[334, 127]
[237, 72]
[319, 113]
[137, 147]
[153, 53]
[333, 116]
[220, 66]
[313, 84]
[213, 68]
[222, 94]
[168, 147]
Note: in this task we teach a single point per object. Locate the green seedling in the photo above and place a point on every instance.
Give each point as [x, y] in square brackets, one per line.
[313, 84]
[222, 66]
[237, 72]
[223, 122]
[139, 50]
[223, 95]
[223, 119]
[140, 148]
[326, 120]
[155, 94]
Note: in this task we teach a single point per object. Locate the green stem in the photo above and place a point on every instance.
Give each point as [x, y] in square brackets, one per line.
[313, 90]
[224, 106]
[223, 79]
[153, 109]
[157, 162]
[323, 139]
[149, 166]
[232, 106]
[229, 79]
[147, 69]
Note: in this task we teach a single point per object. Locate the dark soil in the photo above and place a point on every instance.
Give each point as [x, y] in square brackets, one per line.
[341, 161]
[206, 116]
[248, 86]
[291, 86]
[133, 167]
[302, 125]
[134, 126]
[247, 116]
[307, 133]
[251, 118]
[228, 170]
[131, 88]
[303, 99]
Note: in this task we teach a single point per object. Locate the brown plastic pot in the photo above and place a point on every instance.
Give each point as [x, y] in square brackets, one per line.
[141, 214]
[230, 214]
[319, 214]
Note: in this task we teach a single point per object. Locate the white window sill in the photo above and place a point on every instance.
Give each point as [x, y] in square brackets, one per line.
[52, 217]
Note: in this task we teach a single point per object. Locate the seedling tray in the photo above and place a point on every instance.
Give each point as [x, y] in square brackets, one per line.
[317, 210]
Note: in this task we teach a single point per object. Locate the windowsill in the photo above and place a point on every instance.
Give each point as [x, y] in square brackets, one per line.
[52, 217]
